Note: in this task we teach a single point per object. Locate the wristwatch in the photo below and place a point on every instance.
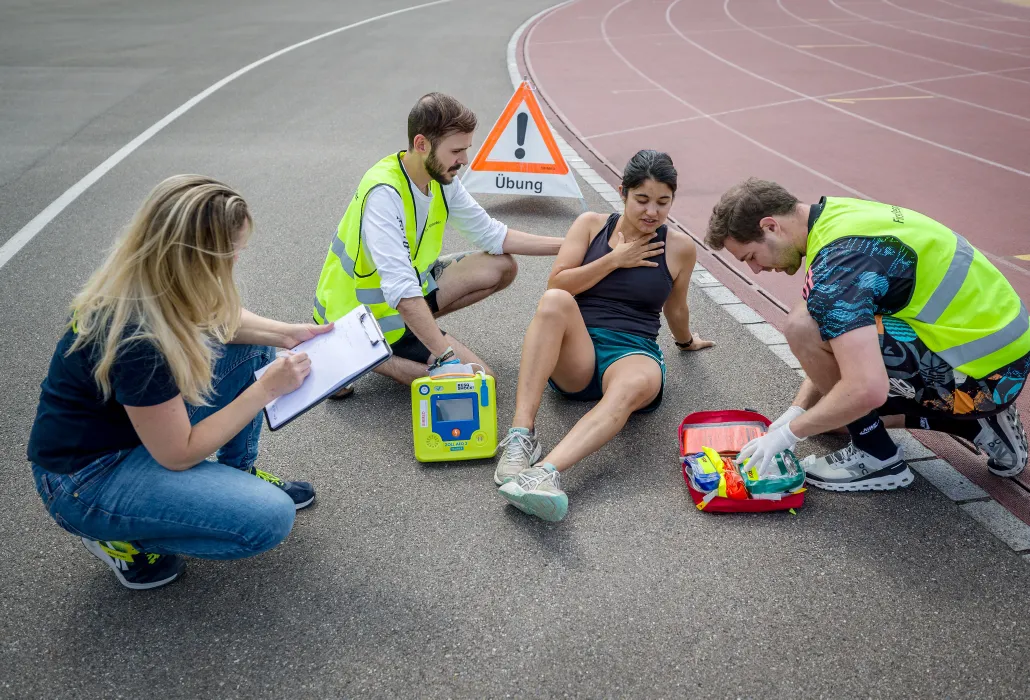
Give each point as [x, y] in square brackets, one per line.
[685, 345]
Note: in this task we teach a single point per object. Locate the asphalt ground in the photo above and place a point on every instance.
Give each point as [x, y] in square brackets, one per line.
[418, 580]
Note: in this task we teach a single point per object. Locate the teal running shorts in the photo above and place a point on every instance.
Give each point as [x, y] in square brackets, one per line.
[610, 346]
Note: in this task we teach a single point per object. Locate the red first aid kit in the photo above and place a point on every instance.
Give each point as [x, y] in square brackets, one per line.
[707, 436]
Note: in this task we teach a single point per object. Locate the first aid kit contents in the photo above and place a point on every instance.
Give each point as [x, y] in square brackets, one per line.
[709, 443]
[454, 417]
[789, 476]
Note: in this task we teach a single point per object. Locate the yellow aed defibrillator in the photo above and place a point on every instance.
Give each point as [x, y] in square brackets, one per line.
[454, 417]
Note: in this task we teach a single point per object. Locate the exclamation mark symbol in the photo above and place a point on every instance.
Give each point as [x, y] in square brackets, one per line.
[520, 124]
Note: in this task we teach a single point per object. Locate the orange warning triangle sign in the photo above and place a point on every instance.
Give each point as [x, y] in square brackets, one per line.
[519, 159]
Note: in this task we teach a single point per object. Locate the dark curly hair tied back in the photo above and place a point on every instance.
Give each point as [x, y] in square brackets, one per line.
[646, 165]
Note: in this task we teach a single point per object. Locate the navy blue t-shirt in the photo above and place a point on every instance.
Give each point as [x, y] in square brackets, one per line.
[74, 425]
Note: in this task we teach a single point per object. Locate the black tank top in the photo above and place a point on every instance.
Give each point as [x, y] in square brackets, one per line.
[627, 299]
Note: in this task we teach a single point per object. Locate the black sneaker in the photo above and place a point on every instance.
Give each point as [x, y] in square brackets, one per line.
[135, 569]
[1003, 439]
[301, 492]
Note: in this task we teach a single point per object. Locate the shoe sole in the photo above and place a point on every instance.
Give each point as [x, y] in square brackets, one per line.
[532, 460]
[1013, 428]
[539, 505]
[888, 482]
[93, 548]
[304, 504]
[342, 394]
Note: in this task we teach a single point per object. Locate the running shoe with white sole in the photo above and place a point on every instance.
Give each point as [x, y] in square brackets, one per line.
[852, 469]
[520, 450]
[135, 569]
[537, 491]
[1003, 439]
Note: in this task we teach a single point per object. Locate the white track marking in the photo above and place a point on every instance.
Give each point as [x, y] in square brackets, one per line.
[893, 83]
[935, 18]
[29, 231]
[892, 49]
[784, 156]
[1009, 18]
[854, 115]
[932, 36]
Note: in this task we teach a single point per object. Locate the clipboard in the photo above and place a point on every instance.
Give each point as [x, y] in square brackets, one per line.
[354, 347]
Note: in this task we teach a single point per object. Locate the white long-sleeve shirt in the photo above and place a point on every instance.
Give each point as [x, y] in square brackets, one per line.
[383, 233]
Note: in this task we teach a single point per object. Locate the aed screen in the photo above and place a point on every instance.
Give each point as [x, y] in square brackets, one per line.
[454, 409]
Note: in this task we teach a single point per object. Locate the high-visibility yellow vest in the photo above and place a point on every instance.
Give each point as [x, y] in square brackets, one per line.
[349, 276]
[961, 307]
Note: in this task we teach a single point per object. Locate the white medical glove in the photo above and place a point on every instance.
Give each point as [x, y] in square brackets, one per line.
[788, 415]
[762, 451]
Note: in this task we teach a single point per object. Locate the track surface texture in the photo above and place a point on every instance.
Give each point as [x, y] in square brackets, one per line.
[920, 103]
[411, 580]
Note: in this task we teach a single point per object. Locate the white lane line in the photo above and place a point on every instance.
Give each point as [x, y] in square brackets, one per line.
[975, 105]
[886, 47]
[701, 113]
[994, 15]
[18, 241]
[893, 25]
[935, 18]
[854, 115]
[767, 105]
[513, 67]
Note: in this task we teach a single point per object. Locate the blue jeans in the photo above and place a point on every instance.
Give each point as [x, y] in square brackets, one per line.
[215, 510]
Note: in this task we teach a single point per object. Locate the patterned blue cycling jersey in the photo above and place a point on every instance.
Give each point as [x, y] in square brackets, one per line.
[856, 282]
[853, 280]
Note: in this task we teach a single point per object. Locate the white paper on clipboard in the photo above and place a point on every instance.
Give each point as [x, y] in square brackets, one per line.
[355, 346]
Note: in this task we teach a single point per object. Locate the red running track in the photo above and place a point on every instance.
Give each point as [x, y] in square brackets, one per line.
[920, 103]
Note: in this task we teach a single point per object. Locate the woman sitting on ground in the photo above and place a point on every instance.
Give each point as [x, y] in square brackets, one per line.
[154, 373]
[594, 335]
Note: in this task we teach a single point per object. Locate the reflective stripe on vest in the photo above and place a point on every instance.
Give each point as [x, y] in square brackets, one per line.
[374, 295]
[982, 347]
[961, 306]
[391, 323]
[368, 295]
[339, 249]
[950, 284]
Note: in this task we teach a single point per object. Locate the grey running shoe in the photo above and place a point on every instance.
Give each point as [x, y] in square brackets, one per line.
[520, 449]
[852, 469]
[1003, 439]
[537, 491]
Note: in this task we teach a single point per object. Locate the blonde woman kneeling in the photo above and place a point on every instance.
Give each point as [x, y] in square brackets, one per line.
[154, 373]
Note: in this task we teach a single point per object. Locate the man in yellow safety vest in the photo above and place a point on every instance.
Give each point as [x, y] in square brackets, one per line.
[386, 251]
[901, 320]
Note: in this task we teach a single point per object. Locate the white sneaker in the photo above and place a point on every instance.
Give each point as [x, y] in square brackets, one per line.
[538, 491]
[1003, 439]
[852, 469]
[520, 449]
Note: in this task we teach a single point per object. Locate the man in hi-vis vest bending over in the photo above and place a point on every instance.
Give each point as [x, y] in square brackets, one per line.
[902, 321]
[386, 252]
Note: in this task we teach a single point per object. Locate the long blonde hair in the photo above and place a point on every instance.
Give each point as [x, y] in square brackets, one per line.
[169, 281]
